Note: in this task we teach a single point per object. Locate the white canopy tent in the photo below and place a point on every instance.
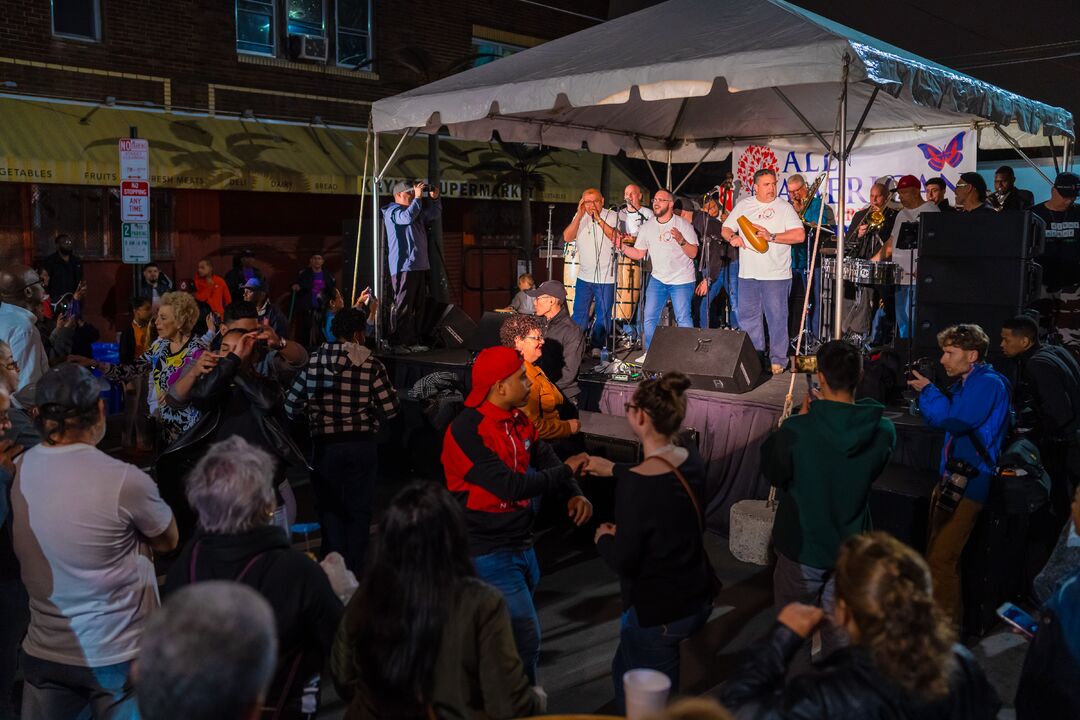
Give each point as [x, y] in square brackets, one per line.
[684, 80]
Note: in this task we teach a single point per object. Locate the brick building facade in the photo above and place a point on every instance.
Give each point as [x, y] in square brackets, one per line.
[213, 75]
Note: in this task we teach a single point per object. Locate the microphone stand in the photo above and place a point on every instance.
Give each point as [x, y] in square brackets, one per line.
[550, 241]
[615, 252]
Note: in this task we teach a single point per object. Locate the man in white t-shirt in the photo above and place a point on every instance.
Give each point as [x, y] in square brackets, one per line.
[902, 248]
[632, 216]
[671, 244]
[765, 278]
[83, 524]
[591, 231]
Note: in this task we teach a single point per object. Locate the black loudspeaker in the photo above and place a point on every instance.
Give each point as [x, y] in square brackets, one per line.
[723, 360]
[447, 325]
[974, 268]
[487, 334]
[900, 503]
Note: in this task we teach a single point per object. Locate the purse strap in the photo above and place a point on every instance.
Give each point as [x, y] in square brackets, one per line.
[687, 488]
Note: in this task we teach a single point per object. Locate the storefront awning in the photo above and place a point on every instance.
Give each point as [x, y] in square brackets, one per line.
[51, 142]
[76, 144]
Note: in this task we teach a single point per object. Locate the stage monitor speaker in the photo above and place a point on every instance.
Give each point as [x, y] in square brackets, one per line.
[448, 325]
[487, 335]
[722, 360]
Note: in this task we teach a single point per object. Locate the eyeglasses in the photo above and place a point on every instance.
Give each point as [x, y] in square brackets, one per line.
[10, 365]
[962, 185]
[627, 406]
[535, 338]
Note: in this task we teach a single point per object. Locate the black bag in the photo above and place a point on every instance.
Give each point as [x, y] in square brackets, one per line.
[1020, 484]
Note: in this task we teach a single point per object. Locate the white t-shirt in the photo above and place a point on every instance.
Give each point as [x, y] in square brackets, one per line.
[670, 265]
[632, 220]
[907, 258]
[79, 518]
[777, 216]
[594, 250]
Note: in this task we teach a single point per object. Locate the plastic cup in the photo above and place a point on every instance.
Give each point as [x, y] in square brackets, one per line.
[646, 692]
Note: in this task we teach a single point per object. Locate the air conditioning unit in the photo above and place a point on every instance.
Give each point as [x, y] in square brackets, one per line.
[307, 47]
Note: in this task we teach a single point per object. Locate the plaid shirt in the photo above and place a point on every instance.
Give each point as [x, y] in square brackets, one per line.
[340, 396]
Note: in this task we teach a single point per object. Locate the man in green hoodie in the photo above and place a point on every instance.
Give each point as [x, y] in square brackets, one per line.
[823, 462]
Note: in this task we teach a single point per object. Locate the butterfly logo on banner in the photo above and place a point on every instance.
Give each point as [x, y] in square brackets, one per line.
[952, 155]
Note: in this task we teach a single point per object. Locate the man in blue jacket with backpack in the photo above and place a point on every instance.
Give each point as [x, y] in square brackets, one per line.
[976, 416]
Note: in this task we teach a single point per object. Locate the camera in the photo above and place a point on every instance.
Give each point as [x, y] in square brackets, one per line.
[956, 466]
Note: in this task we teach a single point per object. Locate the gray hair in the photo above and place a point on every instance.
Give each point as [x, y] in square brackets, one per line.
[230, 488]
[210, 652]
[796, 178]
[762, 172]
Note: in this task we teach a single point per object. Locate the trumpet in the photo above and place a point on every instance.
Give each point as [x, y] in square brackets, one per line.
[996, 200]
[875, 220]
[811, 192]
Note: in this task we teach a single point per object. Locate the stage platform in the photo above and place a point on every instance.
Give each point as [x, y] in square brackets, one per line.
[731, 428]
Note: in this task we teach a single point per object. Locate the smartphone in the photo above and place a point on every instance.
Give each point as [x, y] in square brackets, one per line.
[1018, 619]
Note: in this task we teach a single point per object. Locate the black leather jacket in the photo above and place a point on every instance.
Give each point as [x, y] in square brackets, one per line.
[263, 395]
[846, 685]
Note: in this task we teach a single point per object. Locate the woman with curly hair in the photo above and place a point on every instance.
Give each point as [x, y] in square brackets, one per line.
[902, 662]
[525, 333]
[175, 350]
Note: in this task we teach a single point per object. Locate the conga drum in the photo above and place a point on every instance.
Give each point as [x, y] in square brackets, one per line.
[627, 288]
[569, 275]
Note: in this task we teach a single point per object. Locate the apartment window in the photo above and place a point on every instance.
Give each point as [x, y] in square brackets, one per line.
[255, 21]
[488, 50]
[353, 32]
[306, 17]
[77, 19]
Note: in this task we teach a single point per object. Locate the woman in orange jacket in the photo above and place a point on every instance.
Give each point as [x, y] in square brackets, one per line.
[525, 334]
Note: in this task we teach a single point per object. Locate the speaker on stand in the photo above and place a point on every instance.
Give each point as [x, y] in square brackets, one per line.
[974, 268]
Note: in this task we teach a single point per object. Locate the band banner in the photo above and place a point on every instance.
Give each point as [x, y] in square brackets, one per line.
[945, 154]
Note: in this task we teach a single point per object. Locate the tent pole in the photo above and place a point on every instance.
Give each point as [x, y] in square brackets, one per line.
[397, 148]
[696, 166]
[648, 162]
[668, 183]
[802, 117]
[1020, 151]
[1053, 153]
[841, 209]
[376, 234]
[1068, 153]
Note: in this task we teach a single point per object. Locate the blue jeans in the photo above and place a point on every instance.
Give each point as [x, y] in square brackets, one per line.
[729, 278]
[682, 297]
[905, 297]
[768, 298]
[655, 648]
[604, 294]
[344, 485]
[61, 692]
[515, 573]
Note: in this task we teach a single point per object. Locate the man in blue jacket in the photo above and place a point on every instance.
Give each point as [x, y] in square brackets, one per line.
[976, 416]
[406, 220]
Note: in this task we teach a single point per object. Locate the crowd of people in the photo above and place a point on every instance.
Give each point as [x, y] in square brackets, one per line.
[433, 614]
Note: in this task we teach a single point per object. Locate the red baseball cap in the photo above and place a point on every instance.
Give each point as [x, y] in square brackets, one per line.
[491, 366]
[908, 181]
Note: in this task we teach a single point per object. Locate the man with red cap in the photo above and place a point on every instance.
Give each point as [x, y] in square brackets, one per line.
[495, 464]
[902, 247]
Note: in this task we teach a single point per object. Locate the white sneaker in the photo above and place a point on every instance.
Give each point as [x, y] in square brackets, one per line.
[418, 348]
[641, 360]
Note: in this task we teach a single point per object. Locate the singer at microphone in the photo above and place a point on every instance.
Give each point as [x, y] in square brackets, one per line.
[631, 214]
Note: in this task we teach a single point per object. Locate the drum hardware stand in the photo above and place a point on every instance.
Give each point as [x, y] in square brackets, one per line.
[550, 241]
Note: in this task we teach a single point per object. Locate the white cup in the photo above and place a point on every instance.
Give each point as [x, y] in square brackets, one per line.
[646, 692]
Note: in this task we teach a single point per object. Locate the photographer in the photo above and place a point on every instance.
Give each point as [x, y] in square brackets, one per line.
[406, 220]
[975, 413]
